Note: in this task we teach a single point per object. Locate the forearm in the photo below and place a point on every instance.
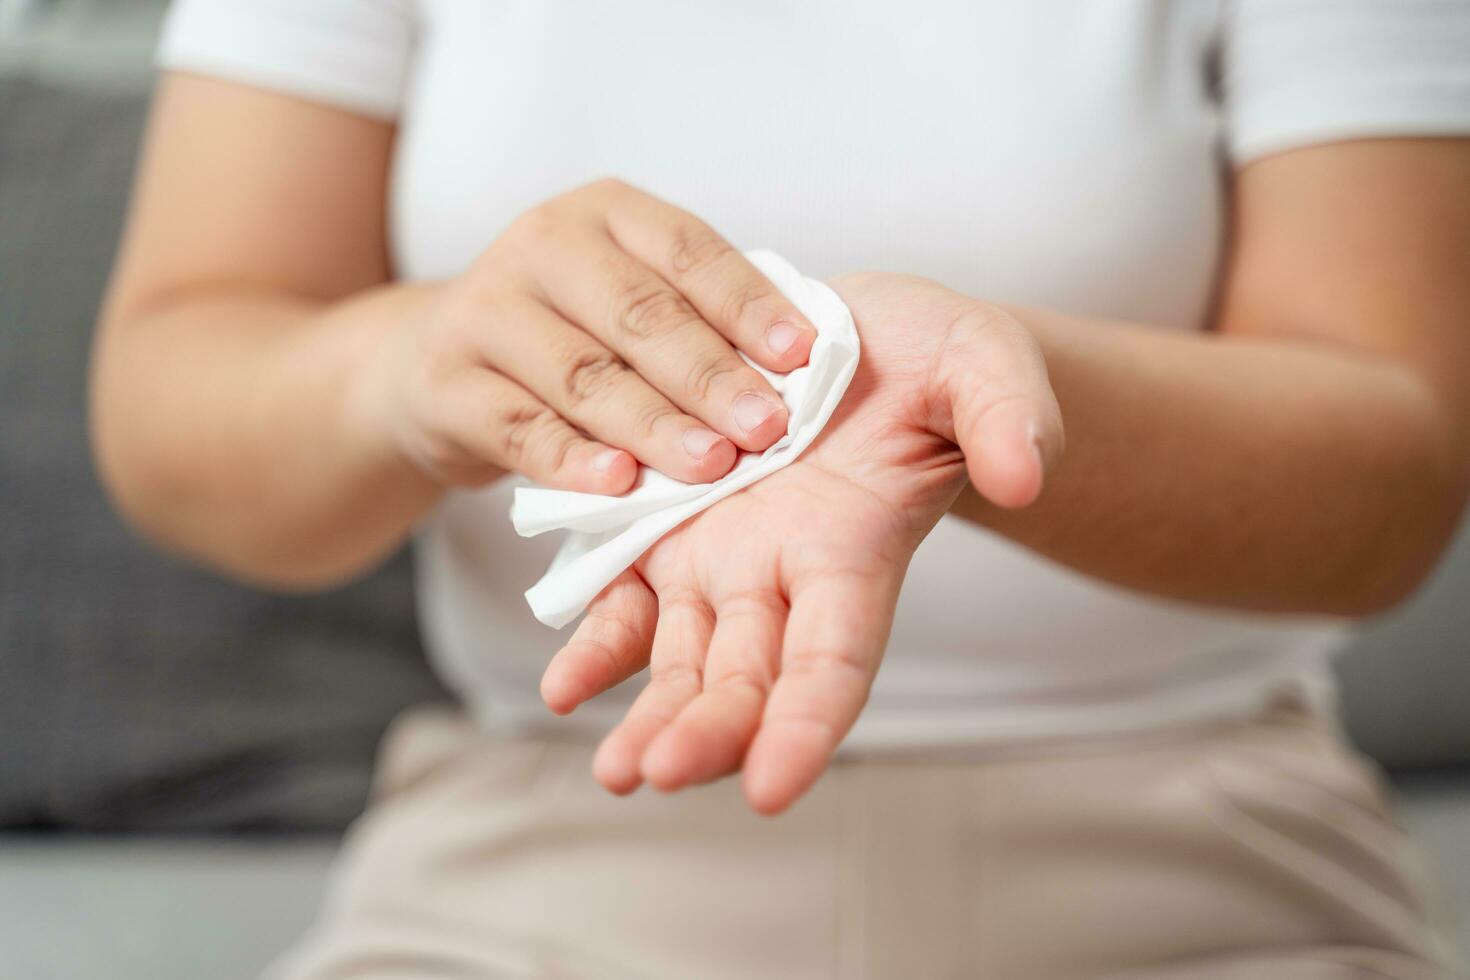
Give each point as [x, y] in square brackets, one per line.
[1241, 472]
[227, 426]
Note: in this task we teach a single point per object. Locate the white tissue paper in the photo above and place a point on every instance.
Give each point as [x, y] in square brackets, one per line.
[610, 533]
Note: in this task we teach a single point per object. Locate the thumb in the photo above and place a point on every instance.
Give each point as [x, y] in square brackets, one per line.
[998, 405]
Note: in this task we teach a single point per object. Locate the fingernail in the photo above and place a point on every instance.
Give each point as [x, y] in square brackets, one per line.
[782, 336]
[1033, 433]
[606, 459]
[752, 410]
[698, 442]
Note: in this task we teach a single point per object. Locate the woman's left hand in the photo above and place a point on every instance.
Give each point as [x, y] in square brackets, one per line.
[764, 618]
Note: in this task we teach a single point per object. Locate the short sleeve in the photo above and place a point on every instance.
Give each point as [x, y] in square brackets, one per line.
[1296, 72]
[355, 54]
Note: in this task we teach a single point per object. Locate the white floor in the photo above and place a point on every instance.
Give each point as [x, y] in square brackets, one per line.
[129, 909]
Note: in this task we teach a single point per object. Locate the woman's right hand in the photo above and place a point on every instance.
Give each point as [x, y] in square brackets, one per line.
[598, 332]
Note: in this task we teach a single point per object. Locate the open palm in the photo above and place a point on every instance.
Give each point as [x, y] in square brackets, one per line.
[763, 619]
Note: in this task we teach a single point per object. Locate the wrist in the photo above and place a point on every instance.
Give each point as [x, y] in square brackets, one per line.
[377, 325]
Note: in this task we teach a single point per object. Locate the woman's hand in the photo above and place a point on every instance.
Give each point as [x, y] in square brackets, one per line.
[764, 618]
[601, 329]
[269, 400]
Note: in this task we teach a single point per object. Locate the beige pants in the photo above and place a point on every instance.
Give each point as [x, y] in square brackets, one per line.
[1259, 851]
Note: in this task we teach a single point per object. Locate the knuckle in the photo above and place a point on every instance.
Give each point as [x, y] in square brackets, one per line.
[680, 674]
[559, 444]
[812, 721]
[685, 598]
[614, 630]
[827, 661]
[861, 280]
[537, 224]
[526, 428]
[607, 185]
[472, 300]
[693, 249]
[706, 371]
[649, 418]
[614, 655]
[744, 300]
[646, 310]
[588, 373]
[980, 326]
[755, 603]
[747, 679]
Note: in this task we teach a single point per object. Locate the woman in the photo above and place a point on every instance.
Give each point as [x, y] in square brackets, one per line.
[373, 266]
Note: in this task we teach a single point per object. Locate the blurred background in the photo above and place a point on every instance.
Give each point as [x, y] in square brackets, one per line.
[178, 754]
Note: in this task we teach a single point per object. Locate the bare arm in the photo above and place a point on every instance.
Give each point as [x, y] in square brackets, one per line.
[267, 400]
[1312, 453]
[227, 341]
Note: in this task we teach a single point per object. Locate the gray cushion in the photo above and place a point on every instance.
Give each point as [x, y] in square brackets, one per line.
[135, 692]
[1406, 680]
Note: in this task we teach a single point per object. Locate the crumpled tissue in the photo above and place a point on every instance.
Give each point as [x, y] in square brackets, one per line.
[608, 534]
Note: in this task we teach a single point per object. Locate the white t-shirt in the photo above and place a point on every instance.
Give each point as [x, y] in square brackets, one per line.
[1068, 154]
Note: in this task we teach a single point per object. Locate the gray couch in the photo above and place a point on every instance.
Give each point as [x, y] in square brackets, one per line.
[178, 752]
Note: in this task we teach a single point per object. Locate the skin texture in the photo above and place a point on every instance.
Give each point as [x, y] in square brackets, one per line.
[1274, 443]
[594, 333]
[782, 631]
[581, 317]
[1313, 455]
[1307, 454]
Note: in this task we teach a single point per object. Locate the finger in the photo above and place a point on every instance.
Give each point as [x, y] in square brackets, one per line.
[490, 417]
[730, 293]
[709, 737]
[1005, 414]
[591, 386]
[833, 644]
[610, 645]
[680, 643]
[643, 319]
